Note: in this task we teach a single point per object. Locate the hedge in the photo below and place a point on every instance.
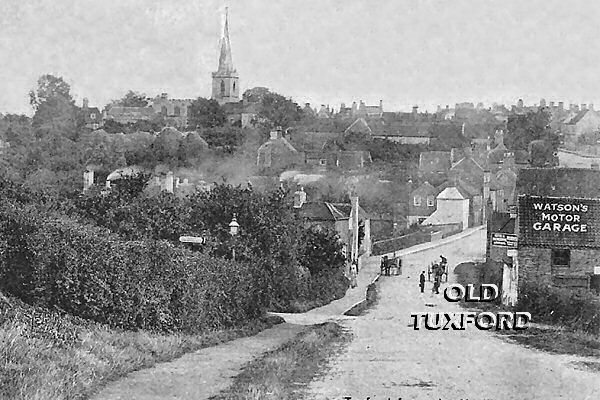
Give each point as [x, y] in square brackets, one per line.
[55, 262]
[573, 309]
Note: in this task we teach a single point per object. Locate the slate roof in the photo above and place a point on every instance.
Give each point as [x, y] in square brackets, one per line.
[502, 223]
[434, 161]
[324, 211]
[559, 182]
[576, 118]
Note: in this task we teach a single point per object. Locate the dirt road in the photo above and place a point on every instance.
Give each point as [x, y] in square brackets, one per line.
[389, 359]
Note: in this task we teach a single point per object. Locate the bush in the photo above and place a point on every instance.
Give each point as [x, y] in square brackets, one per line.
[576, 310]
[89, 272]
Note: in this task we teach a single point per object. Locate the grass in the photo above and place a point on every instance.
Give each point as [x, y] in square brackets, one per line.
[550, 338]
[45, 355]
[556, 340]
[284, 373]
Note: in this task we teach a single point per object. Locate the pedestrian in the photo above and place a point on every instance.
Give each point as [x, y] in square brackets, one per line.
[383, 263]
[436, 284]
[422, 281]
[353, 274]
[388, 266]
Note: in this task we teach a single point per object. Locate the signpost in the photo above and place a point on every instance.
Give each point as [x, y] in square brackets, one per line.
[192, 239]
[504, 240]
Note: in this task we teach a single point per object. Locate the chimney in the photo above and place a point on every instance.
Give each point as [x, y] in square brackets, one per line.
[439, 108]
[164, 96]
[354, 107]
[342, 106]
[447, 107]
[299, 198]
[591, 107]
[583, 107]
[307, 105]
[88, 180]
[381, 105]
[86, 103]
[487, 177]
[542, 103]
[551, 104]
[561, 105]
[276, 134]
[168, 186]
[520, 103]
[415, 110]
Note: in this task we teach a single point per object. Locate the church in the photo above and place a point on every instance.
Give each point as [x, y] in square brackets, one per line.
[225, 90]
[225, 81]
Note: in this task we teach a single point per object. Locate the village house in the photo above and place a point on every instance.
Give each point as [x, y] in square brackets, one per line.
[336, 216]
[278, 152]
[583, 122]
[452, 208]
[558, 227]
[92, 117]
[422, 203]
[434, 166]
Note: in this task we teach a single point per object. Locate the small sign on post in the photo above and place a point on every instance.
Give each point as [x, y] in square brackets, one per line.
[192, 239]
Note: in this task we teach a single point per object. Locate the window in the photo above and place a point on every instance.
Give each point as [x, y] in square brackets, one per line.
[417, 201]
[561, 258]
[430, 201]
[234, 87]
[93, 116]
[322, 161]
[222, 88]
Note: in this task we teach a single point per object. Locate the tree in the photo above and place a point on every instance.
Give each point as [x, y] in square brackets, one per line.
[55, 110]
[279, 110]
[132, 99]
[166, 145]
[522, 129]
[49, 87]
[226, 138]
[205, 113]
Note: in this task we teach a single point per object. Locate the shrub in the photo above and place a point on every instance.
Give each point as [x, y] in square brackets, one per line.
[89, 272]
[575, 310]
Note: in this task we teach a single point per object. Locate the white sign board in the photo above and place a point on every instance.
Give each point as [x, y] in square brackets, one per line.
[192, 239]
[596, 270]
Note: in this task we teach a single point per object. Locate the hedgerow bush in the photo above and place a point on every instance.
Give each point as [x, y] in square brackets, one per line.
[54, 262]
[577, 310]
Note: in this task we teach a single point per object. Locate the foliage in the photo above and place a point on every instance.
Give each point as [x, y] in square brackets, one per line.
[204, 113]
[322, 250]
[391, 152]
[49, 87]
[279, 110]
[570, 308]
[522, 129]
[226, 138]
[88, 272]
[132, 99]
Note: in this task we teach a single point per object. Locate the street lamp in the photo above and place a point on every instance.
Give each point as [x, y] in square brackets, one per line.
[234, 227]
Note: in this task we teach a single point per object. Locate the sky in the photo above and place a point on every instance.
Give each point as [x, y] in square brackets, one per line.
[404, 52]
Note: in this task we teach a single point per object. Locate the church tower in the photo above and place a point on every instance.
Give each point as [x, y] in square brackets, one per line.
[225, 85]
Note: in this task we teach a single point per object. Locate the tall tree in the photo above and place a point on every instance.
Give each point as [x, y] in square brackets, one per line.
[522, 129]
[279, 110]
[55, 110]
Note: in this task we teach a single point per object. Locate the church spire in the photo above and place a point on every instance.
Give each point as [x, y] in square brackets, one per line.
[225, 60]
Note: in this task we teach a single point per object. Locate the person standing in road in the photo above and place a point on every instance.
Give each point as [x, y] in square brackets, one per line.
[422, 281]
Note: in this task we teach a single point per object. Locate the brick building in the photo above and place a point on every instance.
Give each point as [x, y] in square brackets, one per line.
[558, 227]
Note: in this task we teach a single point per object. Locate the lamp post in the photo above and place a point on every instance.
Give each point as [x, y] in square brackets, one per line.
[233, 230]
